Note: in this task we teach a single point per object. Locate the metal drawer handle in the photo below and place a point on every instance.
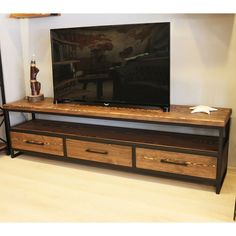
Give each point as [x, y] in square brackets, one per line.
[34, 142]
[174, 162]
[96, 151]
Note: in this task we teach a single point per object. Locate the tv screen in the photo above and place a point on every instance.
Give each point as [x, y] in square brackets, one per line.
[127, 65]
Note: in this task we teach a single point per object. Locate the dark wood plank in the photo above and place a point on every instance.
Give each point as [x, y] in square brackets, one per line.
[167, 139]
[178, 114]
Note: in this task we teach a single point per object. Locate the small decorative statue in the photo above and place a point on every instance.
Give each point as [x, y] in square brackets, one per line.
[34, 84]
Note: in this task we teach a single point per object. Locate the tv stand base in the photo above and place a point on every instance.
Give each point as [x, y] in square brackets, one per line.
[178, 155]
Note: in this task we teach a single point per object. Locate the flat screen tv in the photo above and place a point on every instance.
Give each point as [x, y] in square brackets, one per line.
[121, 65]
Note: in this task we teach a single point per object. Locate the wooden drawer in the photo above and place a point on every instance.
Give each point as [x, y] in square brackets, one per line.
[37, 143]
[178, 163]
[101, 152]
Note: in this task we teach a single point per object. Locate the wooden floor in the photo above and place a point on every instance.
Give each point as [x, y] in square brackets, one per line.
[41, 190]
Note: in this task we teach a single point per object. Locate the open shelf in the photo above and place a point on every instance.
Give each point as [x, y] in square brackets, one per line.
[138, 136]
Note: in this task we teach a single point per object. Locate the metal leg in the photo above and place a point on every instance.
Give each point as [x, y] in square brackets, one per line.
[15, 154]
[7, 127]
[12, 153]
[33, 116]
[221, 181]
[235, 210]
[219, 161]
[222, 158]
[134, 157]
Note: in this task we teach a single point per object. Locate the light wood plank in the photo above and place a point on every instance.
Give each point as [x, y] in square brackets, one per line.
[42, 190]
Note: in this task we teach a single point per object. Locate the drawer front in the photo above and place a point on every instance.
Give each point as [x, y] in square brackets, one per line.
[37, 143]
[178, 163]
[106, 153]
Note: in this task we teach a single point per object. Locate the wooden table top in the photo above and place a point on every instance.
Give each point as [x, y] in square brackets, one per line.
[179, 114]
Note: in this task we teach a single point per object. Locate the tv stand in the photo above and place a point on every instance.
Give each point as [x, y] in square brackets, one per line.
[176, 153]
[166, 109]
[67, 101]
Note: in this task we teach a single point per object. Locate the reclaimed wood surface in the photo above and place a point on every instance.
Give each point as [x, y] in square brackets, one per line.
[167, 139]
[101, 152]
[37, 143]
[178, 163]
[178, 114]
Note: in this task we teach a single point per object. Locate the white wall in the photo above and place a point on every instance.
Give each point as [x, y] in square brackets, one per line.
[11, 51]
[203, 55]
[201, 51]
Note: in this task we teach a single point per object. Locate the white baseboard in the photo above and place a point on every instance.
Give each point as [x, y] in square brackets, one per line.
[232, 169]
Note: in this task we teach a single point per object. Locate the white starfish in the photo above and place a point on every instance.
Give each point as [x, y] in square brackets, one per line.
[202, 108]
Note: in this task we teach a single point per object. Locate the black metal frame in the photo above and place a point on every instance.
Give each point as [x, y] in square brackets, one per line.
[234, 217]
[222, 149]
[3, 102]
